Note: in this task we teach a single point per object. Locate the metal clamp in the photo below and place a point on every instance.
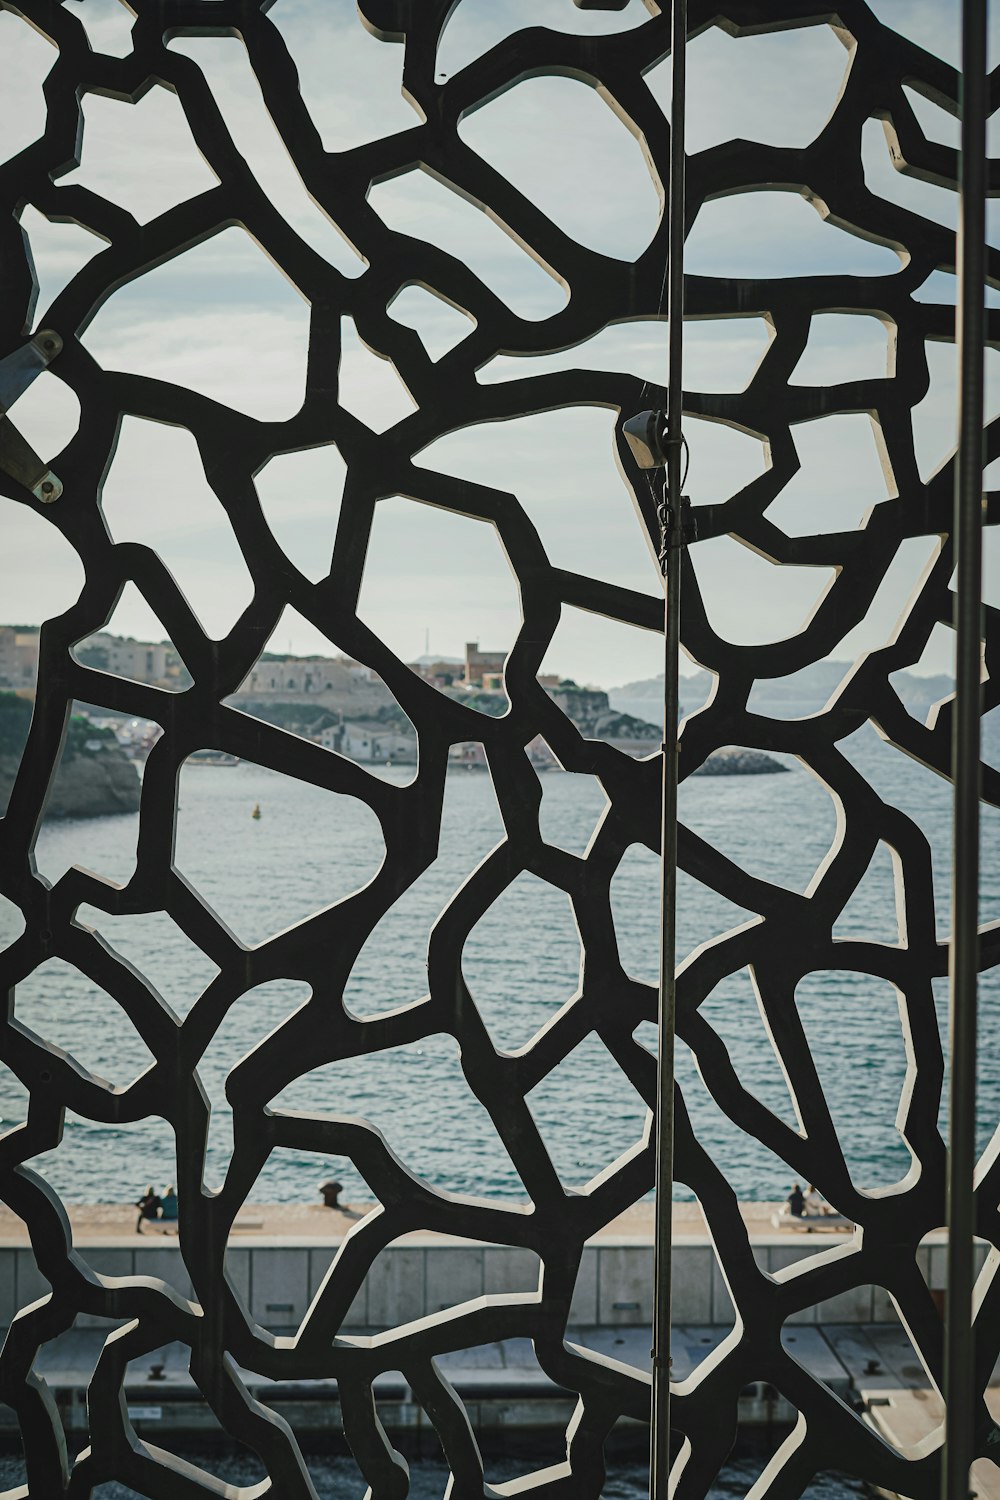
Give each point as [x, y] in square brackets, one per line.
[677, 528]
[17, 457]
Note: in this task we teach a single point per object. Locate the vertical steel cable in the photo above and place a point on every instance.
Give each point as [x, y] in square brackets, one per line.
[671, 558]
[960, 1395]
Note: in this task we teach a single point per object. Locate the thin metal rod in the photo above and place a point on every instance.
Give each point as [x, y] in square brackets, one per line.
[959, 1353]
[659, 1468]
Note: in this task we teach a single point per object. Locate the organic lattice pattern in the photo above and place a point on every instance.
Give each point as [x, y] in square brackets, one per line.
[792, 935]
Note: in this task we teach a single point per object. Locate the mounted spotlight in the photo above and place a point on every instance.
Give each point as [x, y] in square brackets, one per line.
[646, 436]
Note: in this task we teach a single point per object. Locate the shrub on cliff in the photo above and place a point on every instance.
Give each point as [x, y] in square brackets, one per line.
[15, 719]
[79, 730]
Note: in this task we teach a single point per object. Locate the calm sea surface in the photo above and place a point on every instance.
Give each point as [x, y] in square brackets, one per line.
[310, 848]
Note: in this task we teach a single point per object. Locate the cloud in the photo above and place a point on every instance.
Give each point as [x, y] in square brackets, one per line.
[418, 205]
[571, 156]
[220, 318]
[561, 466]
[226, 67]
[720, 354]
[770, 234]
[41, 574]
[474, 29]
[351, 82]
[594, 650]
[58, 252]
[301, 494]
[108, 24]
[369, 386]
[28, 58]
[779, 88]
[141, 156]
[463, 589]
[47, 415]
[439, 325]
[156, 493]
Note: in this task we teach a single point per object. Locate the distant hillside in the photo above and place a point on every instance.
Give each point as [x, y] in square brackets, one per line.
[806, 692]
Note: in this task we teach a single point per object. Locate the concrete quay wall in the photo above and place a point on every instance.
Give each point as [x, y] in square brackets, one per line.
[278, 1277]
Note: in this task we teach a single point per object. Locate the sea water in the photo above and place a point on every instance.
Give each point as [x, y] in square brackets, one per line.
[310, 848]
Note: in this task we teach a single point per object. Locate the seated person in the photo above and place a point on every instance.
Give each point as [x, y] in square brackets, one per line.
[796, 1201]
[148, 1206]
[815, 1203]
[168, 1204]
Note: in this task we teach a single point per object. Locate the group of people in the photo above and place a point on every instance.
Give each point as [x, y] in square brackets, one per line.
[807, 1205]
[154, 1206]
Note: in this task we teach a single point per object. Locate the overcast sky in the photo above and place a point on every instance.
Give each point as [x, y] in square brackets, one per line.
[223, 320]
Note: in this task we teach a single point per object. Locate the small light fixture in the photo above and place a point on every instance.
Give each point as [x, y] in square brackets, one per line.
[646, 437]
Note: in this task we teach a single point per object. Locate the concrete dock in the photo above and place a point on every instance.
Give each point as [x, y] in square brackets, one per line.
[414, 1277]
[854, 1344]
[502, 1385]
[869, 1366]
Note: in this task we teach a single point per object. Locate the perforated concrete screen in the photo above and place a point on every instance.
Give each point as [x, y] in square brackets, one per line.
[785, 933]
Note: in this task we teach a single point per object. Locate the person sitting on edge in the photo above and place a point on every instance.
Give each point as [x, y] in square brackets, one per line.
[815, 1203]
[168, 1204]
[148, 1206]
[796, 1201]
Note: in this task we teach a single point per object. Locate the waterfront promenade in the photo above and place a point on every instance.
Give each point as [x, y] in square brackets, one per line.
[279, 1255]
[92, 1221]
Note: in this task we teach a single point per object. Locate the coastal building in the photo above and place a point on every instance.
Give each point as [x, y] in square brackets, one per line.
[301, 675]
[283, 678]
[142, 661]
[358, 669]
[18, 658]
[152, 662]
[369, 740]
[358, 741]
[442, 673]
[469, 755]
[336, 684]
[480, 664]
[397, 746]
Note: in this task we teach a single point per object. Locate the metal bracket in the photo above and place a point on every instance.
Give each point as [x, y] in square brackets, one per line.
[677, 529]
[651, 446]
[19, 369]
[17, 457]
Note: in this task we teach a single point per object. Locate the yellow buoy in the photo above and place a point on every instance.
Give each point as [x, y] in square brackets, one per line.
[256, 810]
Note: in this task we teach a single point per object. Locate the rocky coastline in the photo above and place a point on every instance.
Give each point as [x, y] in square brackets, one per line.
[587, 708]
[734, 761]
[88, 786]
[94, 778]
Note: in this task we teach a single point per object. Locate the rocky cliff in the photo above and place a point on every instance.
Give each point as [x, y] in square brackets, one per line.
[95, 776]
[590, 711]
[588, 708]
[734, 761]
